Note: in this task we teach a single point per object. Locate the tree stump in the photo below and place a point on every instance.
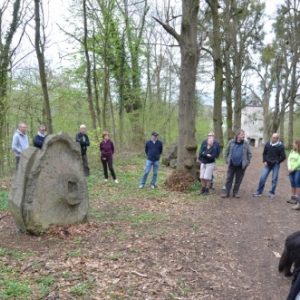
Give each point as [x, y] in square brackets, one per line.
[49, 187]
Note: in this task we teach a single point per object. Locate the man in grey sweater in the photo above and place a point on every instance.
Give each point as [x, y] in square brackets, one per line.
[19, 142]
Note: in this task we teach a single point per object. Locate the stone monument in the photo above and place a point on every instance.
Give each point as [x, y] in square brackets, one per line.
[50, 187]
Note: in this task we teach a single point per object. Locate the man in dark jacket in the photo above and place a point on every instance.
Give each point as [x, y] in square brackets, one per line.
[153, 150]
[39, 139]
[216, 145]
[273, 156]
[83, 139]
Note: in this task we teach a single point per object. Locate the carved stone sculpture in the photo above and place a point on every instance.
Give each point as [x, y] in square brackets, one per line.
[49, 187]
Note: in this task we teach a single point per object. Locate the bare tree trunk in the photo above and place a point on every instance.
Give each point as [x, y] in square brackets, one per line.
[293, 93]
[88, 67]
[228, 93]
[237, 92]
[95, 83]
[218, 72]
[40, 53]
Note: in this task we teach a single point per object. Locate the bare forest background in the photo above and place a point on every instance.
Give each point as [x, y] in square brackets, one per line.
[131, 67]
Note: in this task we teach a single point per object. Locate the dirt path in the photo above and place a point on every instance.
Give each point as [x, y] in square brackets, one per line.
[255, 227]
[193, 247]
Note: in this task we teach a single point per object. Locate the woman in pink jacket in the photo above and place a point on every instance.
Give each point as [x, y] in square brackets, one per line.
[107, 150]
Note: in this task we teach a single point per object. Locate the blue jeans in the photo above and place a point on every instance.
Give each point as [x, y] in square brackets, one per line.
[264, 175]
[295, 179]
[148, 166]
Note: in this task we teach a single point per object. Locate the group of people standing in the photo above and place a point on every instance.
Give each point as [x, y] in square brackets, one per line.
[153, 150]
[20, 142]
[238, 156]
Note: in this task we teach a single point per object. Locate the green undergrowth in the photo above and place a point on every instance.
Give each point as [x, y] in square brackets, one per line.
[4, 201]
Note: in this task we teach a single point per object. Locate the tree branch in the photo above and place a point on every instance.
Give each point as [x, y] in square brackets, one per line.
[170, 30]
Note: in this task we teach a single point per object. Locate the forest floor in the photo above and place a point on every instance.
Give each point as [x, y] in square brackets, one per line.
[155, 244]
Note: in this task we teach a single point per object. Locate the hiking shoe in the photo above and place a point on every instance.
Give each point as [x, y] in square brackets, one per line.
[256, 194]
[225, 195]
[296, 207]
[116, 181]
[141, 186]
[236, 195]
[293, 200]
[271, 195]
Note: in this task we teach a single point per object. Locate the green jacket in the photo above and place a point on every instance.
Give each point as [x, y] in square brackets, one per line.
[247, 155]
[294, 161]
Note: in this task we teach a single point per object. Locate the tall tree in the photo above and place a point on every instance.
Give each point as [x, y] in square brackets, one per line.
[88, 75]
[288, 41]
[190, 50]
[243, 25]
[218, 69]
[6, 54]
[40, 45]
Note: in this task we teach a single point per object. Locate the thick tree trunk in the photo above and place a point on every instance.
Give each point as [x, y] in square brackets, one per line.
[187, 145]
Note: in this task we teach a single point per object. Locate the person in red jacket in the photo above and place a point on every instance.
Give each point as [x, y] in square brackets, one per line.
[107, 150]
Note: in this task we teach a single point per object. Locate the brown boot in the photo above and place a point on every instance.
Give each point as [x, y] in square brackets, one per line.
[293, 200]
[296, 207]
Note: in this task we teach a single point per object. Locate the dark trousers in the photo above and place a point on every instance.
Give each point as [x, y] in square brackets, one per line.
[238, 173]
[85, 165]
[17, 162]
[108, 162]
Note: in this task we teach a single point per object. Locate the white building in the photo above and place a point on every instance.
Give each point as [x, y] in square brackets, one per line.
[253, 124]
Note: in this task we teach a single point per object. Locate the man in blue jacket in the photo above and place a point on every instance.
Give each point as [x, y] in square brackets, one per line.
[153, 150]
[273, 156]
[39, 139]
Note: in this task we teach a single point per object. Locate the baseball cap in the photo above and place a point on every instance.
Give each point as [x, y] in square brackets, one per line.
[154, 133]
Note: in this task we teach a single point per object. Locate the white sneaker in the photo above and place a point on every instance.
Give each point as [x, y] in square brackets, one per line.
[116, 181]
[141, 186]
[105, 180]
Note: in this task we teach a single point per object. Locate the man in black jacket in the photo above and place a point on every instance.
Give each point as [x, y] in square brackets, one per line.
[273, 156]
[39, 139]
[83, 139]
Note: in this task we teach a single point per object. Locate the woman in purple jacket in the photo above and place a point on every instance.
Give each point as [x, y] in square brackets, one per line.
[107, 150]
